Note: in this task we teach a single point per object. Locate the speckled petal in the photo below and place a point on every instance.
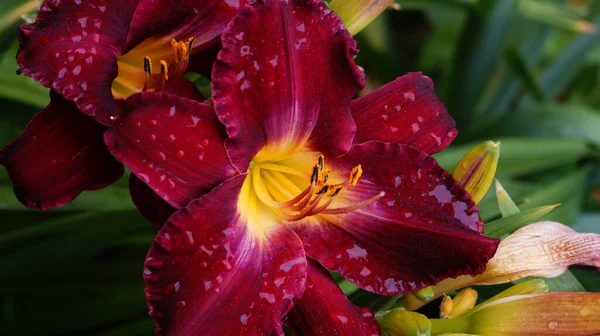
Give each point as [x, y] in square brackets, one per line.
[148, 203]
[286, 70]
[59, 154]
[73, 48]
[405, 111]
[324, 310]
[183, 88]
[205, 20]
[206, 274]
[173, 144]
[426, 228]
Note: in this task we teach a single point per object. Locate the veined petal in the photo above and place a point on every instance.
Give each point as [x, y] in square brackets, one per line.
[148, 203]
[285, 71]
[405, 111]
[325, 310]
[207, 274]
[544, 249]
[173, 144]
[73, 48]
[59, 154]
[424, 229]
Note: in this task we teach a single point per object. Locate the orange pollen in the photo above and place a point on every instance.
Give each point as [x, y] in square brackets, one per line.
[181, 56]
[319, 195]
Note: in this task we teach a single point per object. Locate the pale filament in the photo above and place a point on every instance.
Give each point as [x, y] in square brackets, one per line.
[314, 199]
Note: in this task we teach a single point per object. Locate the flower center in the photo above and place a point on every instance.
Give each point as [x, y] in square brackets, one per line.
[136, 73]
[292, 190]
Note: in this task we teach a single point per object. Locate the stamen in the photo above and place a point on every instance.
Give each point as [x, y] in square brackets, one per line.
[164, 69]
[353, 207]
[147, 72]
[315, 199]
[321, 162]
[314, 178]
[355, 175]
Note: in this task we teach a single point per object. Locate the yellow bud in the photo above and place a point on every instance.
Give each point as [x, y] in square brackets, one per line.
[425, 294]
[475, 171]
[446, 307]
[463, 302]
[400, 322]
[357, 14]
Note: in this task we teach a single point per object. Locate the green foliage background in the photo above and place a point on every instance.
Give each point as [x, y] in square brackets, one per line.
[518, 71]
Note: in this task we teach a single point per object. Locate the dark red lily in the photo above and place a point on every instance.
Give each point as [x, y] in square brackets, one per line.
[278, 181]
[96, 53]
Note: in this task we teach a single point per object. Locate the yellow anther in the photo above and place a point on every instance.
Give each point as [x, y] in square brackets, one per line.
[335, 189]
[355, 175]
[181, 49]
[164, 69]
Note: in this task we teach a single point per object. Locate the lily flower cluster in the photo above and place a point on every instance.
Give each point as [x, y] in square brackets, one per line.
[262, 190]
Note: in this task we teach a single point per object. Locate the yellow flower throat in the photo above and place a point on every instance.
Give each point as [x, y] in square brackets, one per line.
[290, 190]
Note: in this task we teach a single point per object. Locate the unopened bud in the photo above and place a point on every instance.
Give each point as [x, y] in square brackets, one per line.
[463, 302]
[425, 294]
[399, 322]
[475, 171]
[446, 307]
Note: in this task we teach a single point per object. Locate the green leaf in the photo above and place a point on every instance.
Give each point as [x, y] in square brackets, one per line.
[506, 225]
[478, 50]
[518, 67]
[19, 88]
[522, 155]
[566, 282]
[561, 72]
[551, 120]
[505, 203]
[505, 93]
[553, 14]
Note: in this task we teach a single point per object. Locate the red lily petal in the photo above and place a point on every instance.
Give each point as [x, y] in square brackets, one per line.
[175, 145]
[325, 310]
[425, 229]
[73, 48]
[405, 111]
[206, 274]
[205, 20]
[285, 71]
[183, 88]
[59, 154]
[150, 205]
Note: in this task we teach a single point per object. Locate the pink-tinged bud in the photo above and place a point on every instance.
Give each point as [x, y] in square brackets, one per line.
[357, 14]
[543, 249]
[475, 171]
